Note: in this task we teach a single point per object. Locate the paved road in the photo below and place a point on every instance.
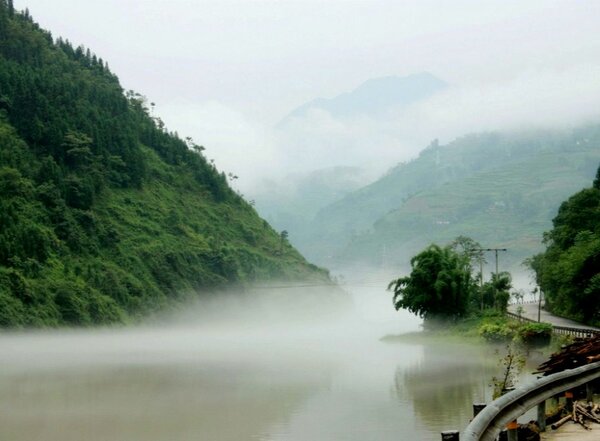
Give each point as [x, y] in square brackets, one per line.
[573, 432]
[531, 312]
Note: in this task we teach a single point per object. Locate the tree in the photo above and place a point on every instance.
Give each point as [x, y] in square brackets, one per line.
[469, 248]
[568, 271]
[474, 258]
[500, 285]
[439, 284]
[282, 240]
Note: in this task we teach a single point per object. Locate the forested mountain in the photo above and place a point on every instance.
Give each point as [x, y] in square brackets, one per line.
[104, 214]
[501, 189]
[568, 271]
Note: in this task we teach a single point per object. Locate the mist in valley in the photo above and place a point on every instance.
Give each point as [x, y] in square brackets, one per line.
[361, 132]
[281, 364]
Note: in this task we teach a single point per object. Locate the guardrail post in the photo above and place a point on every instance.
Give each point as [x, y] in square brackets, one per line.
[569, 402]
[478, 407]
[450, 435]
[541, 416]
[513, 431]
[589, 391]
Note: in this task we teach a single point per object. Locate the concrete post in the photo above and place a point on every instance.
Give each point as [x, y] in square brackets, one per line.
[589, 392]
[513, 431]
[569, 402]
[478, 407]
[541, 416]
[450, 435]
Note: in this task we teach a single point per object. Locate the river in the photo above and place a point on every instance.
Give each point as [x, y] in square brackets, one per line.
[242, 370]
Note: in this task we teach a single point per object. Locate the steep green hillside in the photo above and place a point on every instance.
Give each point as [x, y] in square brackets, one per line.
[500, 189]
[568, 271]
[104, 214]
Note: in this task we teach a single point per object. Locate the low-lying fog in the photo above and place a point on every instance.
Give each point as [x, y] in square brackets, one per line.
[278, 363]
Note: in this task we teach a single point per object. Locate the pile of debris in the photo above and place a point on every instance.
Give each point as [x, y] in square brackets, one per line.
[582, 351]
[581, 413]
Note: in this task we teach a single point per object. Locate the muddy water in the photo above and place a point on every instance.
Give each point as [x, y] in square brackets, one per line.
[254, 375]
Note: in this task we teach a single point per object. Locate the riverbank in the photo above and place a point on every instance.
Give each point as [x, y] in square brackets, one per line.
[483, 328]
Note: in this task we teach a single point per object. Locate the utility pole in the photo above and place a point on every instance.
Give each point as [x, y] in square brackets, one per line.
[495, 250]
[481, 280]
[539, 305]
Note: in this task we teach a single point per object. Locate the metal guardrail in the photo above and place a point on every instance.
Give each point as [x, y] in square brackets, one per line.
[563, 330]
[494, 417]
[519, 317]
[524, 302]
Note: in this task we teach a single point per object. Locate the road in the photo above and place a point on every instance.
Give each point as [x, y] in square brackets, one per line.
[530, 311]
[572, 432]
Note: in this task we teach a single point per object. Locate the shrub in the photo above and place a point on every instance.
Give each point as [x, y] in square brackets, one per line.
[496, 332]
[537, 334]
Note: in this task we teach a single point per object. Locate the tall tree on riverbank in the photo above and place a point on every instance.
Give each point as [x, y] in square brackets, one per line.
[569, 270]
[439, 284]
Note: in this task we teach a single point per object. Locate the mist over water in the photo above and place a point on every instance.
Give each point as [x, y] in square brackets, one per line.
[272, 364]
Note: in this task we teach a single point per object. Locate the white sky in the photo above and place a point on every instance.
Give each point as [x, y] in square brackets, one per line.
[226, 71]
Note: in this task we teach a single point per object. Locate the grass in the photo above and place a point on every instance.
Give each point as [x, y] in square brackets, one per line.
[489, 327]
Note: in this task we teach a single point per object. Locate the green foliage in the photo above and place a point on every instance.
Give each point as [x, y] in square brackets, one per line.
[442, 284]
[568, 271]
[104, 215]
[495, 293]
[537, 334]
[494, 326]
[82, 305]
[497, 332]
[439, 284]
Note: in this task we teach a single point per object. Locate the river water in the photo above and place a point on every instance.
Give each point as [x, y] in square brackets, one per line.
[242, 370]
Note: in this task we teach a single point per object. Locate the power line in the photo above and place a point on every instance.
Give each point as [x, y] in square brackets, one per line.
[495, 250]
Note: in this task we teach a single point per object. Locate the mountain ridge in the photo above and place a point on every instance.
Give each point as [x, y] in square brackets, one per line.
[374, 96]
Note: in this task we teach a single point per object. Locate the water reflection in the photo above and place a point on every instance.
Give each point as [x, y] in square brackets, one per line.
[445, 383]
[246, 375]
[152, 399]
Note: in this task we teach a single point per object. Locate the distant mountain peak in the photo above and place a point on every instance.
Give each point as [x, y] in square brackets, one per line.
[375, 96]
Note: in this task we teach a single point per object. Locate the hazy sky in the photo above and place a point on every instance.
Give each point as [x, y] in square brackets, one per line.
[226, 71]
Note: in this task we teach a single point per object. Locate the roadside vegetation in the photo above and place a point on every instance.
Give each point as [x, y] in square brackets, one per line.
[568, 271]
